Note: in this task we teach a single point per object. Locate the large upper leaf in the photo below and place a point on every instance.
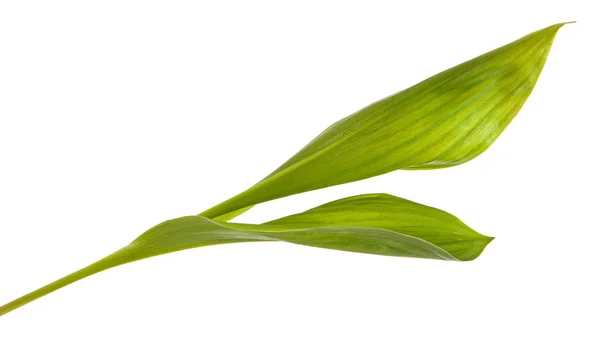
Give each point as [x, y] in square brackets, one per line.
[375, 224]
[446, 120]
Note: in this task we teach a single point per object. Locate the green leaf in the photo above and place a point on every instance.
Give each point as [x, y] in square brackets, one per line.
[444, 121]
[395, 214]
[375, 224]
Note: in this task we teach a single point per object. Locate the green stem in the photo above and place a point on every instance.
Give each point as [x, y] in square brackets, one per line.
[227, 206]
[115, 259]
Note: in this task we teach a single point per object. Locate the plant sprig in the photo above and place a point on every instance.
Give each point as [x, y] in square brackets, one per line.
[443, 121]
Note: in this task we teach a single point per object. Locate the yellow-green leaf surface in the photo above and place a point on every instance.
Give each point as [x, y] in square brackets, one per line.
[375, 224]
[446, 120]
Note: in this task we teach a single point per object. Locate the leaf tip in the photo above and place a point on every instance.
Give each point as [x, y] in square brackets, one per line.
[475, 249]
[558, 26]
[488, 239]
[484, 242]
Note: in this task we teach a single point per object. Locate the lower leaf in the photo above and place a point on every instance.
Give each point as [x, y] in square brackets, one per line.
[378, 224]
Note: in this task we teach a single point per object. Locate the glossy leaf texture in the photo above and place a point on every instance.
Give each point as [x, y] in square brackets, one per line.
[443, 121]
[375, 224]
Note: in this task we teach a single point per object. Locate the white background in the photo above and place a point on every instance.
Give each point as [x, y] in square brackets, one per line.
[117, 115]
